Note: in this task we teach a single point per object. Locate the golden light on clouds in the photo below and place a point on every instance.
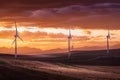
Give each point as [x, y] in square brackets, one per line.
[54, 38]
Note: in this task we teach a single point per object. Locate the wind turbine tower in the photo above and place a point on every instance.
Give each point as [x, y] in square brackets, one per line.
[15, 40]
[69, 39]
[108, 37]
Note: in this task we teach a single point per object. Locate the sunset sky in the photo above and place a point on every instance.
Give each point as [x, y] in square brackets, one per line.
[44, 24]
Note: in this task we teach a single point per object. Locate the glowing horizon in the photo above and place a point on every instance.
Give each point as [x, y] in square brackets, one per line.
[81, 38]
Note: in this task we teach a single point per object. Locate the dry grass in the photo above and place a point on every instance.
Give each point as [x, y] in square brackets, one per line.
[12, 72]
[81, 72]
[84, 65]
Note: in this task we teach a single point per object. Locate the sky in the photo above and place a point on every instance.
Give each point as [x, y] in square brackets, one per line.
[44, 25]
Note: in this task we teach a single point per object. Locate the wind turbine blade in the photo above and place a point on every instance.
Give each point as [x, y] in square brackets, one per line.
[108, 37]
[108, 32]
[70, 33]
[69, 41]
[20, 38]
[16, 28]
[15, 25]
[13, 41]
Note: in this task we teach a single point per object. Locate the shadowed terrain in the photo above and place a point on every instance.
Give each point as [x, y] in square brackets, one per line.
[8, 72]
[98, 58]
[82, 65]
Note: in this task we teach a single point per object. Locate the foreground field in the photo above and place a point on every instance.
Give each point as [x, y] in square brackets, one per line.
[9, 72]
[82, 66]
[36, 70]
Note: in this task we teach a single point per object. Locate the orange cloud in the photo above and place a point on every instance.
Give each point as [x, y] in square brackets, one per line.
[75, 14]
[33, 35]
[7, 34]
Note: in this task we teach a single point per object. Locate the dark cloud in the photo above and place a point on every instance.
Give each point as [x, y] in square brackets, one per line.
[87, 14]
[35, 4]
[95, 16]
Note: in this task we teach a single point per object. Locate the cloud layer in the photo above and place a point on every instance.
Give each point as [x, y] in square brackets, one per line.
[90, 14]
[42, 23]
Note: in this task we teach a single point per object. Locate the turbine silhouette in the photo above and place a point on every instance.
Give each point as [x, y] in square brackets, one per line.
[15, 40]
[108, 37]
[69, 39]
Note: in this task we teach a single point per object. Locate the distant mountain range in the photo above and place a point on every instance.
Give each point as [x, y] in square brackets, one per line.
[29, 50]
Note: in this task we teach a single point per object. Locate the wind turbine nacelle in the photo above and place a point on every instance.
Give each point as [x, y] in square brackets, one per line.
[69, 37]
[108, 36]
[15, 35]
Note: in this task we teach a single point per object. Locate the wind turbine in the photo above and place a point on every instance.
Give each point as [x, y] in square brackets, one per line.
[15, 40]
[69, 39]
[108, 37]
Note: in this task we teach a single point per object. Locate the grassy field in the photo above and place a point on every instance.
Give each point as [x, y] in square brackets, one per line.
[82, 65]
[8, 72]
